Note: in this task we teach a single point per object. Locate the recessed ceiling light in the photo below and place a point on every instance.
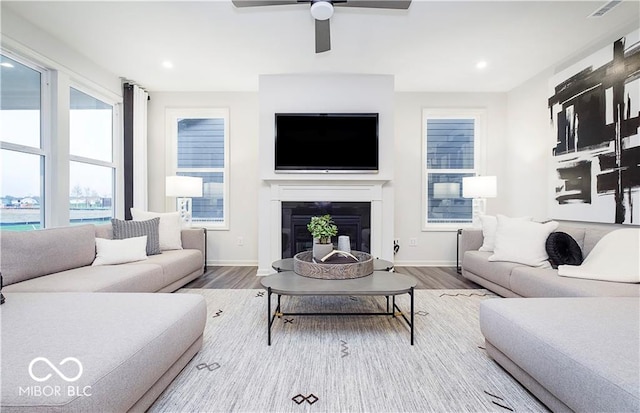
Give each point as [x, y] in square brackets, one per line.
[6, 64]
[167, 64]
[481, 64]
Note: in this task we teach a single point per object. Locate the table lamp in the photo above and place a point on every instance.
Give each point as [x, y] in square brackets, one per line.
[479, 188]
[184, 188]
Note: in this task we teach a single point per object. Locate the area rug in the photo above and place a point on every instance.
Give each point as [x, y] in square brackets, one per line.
[343, 364]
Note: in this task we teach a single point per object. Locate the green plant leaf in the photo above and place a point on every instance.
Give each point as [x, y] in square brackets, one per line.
[322, 227]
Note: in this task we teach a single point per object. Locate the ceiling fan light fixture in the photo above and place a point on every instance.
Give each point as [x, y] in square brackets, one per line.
[321, 10]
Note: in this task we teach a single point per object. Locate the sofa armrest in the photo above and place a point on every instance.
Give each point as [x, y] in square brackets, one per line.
[194, 239]
[470, 240]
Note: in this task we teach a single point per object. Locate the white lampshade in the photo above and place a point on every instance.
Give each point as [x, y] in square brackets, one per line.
[479, 187]
[446, 190]
[184, 186]
[321, 10]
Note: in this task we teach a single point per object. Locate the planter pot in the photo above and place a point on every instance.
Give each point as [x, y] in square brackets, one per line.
[320, 250]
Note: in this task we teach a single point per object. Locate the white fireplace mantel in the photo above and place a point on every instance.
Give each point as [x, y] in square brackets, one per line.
[278, 191]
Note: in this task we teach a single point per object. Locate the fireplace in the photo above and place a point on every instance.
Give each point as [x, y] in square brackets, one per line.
[276, 193]
[352, 219]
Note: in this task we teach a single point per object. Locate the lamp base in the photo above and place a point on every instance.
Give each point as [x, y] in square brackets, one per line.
[479, 208]
[184, 207]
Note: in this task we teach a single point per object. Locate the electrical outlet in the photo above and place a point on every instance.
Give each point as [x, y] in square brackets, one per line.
[240, 241]
[413, 242]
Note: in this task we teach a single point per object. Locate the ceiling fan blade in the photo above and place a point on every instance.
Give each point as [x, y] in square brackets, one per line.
[258, 3]
[323, 36]
[375, 4]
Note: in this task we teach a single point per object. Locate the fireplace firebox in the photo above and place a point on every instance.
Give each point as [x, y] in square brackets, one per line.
[352, 219]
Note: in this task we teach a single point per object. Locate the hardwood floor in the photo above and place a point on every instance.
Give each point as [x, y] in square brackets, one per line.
[437, 278]
[429, 278]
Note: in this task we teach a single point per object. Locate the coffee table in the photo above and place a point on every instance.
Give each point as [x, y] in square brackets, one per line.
[286, 264]
[380, 283]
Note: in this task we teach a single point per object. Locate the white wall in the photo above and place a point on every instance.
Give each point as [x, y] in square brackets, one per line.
[529, 148]
[439, 247]
[222, 245]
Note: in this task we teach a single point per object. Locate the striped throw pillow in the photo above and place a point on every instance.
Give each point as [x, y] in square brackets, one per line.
[130, 229]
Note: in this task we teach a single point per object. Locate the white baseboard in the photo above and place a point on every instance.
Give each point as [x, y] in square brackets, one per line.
[424, 263]
[232, 263]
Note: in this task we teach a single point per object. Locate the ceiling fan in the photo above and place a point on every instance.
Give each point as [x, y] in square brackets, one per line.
[322, 10]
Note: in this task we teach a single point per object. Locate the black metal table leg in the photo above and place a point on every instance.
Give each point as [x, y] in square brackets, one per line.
[393, 305]
[411, 294]
[387, 303]
[269, 316]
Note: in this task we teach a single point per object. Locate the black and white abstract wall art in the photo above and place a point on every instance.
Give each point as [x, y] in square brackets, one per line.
[595, 112]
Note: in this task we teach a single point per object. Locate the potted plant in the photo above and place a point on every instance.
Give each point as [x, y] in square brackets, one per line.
[322, 228]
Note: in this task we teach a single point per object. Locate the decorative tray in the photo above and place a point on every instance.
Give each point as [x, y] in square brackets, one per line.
[306, 266]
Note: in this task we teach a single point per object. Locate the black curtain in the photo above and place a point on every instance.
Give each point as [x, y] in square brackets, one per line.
[128, 148]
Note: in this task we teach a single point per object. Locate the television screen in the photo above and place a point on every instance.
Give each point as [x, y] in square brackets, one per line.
[326, 142]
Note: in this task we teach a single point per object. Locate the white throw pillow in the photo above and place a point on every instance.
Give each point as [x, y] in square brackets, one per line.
[489, 227]
[613, 258]
[120, 251]
[522, 241]
[169, 229]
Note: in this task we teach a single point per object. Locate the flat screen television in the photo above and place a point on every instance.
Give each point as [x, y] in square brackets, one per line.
[326, 142]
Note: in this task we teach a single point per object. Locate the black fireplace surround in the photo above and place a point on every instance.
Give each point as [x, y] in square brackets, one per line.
[351, 218]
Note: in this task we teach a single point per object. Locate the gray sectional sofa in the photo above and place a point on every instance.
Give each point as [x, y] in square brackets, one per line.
[59, 260]
[573, 354]
[573, 343]
[78, 338]
[516, 280]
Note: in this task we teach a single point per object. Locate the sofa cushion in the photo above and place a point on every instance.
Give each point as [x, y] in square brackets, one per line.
[120, 251]
[537, 282]
[124, 343]
[577, 233]
[104, 231]
[130, 229]
[582, 350]
[563, 249]
[132, 277]
[489, 228]
[46, 251]
[522, 241]
[169, 227]
[499, 273]
[591, 237]
[176, 264]
[614, 258]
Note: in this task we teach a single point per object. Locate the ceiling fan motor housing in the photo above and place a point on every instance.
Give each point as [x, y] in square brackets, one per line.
[321, 9]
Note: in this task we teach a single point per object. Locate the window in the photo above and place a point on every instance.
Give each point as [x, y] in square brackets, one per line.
[200, 147]
[451, 149]
[91, 166]
[22, 87]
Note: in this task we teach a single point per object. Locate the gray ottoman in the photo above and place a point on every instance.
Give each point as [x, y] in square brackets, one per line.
[76, 352]
[574, 354]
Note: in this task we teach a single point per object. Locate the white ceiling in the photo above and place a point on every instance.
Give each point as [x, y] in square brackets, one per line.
[433, 46]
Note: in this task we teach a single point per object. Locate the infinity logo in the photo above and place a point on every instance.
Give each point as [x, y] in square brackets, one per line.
[48, 376]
